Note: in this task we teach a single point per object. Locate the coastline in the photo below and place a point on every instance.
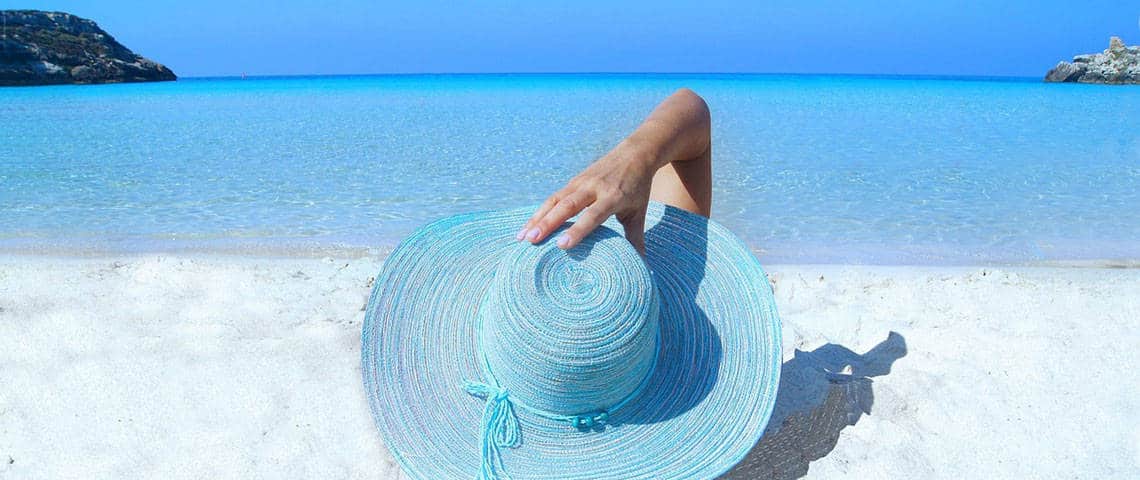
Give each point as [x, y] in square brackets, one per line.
[204, 364]
[845, 256]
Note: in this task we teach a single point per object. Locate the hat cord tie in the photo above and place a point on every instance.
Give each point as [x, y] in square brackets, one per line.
[500, 425]
[500, 428]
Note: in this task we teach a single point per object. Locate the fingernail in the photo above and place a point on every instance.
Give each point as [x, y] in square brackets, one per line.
[563, 240]
[532, 235]
[519, 236]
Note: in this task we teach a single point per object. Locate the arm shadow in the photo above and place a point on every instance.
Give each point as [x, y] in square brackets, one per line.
[816, 400]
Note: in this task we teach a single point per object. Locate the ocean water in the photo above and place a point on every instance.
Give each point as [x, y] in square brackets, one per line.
[807, 168]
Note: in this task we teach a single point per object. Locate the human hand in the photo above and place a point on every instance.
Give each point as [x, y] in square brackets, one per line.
[616, 184]
[673, 143]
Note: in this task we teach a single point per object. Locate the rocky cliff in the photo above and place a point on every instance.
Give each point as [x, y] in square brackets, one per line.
[43, 48]
[1119, 64]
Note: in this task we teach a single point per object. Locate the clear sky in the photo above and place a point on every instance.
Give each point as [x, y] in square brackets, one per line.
[214, 37]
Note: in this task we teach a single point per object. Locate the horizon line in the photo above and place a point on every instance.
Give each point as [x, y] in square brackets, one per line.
[931, 76]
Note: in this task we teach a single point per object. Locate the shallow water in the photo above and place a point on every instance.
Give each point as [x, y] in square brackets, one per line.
[808, 168]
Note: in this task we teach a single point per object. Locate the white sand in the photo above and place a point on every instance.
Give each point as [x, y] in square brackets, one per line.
[231, 367]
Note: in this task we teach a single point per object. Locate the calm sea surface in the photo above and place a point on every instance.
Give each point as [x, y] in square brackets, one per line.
[808, 168]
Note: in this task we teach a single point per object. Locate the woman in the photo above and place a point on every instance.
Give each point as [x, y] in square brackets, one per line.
[667, 159]
[586, 366]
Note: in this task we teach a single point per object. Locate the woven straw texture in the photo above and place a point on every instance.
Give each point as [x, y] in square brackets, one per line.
[712, 353]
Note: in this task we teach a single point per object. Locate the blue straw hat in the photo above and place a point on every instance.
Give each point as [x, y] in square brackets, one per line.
[485, 357]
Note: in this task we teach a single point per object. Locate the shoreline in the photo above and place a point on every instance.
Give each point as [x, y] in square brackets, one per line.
[380, 253]
[239, 366]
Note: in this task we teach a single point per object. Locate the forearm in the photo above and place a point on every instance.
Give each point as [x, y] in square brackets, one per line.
[667, 158]
[678, 130]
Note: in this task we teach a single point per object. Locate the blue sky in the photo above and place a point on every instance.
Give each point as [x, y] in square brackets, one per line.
[211, 37]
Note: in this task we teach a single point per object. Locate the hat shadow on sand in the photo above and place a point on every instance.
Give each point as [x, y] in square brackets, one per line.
[815, 401]
[816, 398]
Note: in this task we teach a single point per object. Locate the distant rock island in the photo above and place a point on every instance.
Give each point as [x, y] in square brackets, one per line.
[1118, 65]
[47, 48]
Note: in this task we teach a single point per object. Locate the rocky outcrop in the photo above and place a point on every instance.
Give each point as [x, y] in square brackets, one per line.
[1117, 65]
[45, 48]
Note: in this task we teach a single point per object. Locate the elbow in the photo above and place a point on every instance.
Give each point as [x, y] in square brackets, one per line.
[694, 104]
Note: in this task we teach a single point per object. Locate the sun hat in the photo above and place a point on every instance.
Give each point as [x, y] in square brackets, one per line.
[486, 357]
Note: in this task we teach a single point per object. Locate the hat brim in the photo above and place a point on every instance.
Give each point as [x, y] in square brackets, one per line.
[707, 401]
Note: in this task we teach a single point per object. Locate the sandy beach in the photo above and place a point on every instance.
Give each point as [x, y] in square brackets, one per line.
[199, 366]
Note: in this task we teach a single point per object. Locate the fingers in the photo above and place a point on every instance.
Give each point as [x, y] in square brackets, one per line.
[561, 211]
[635, 231]
[541, 212]
[586, 223]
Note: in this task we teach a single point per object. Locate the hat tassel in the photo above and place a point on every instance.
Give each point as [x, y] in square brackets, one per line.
[500, 428]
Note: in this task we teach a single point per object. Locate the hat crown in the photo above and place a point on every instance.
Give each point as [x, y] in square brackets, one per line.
[571, 331]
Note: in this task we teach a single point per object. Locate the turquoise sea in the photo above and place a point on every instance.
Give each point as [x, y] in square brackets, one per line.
[808, 168]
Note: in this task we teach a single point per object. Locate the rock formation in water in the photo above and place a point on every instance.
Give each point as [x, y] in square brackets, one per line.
[45, 48]
[1117, 65]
